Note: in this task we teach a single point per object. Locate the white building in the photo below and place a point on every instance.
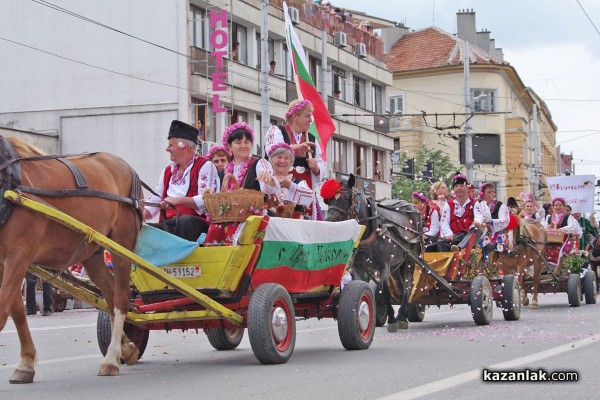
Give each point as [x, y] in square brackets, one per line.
[111, 75]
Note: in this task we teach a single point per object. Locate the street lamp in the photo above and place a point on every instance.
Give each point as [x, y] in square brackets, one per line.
[469, 161]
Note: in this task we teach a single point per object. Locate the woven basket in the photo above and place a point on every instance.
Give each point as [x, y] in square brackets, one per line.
[553, 236]
[279, 208]
[234, 206]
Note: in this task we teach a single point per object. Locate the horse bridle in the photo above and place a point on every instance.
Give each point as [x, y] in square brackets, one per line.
[354, 209]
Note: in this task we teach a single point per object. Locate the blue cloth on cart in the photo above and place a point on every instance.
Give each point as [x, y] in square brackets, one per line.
[162, 248]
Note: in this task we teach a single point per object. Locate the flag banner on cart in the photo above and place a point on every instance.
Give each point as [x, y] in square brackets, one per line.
[322, 126]
[577, 190]
[302, 255]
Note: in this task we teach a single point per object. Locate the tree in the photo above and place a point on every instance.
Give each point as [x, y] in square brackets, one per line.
[406, 183]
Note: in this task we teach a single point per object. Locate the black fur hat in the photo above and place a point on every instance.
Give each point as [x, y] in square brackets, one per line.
[182, 130]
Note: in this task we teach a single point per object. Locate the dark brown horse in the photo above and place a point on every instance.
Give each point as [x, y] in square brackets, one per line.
[98, 189]
[529, 250]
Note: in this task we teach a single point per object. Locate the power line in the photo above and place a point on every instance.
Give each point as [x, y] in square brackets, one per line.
[588, 17]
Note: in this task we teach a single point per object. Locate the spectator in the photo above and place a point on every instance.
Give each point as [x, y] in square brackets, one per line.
[30, 296]
[337, 93]
[235, 51]
[272, 66]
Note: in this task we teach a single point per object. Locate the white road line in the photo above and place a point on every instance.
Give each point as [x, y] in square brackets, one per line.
[56, 360]
[52, 328]
[443, 384]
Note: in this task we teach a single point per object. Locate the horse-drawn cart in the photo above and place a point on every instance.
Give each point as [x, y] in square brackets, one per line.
[278, 271]
[440, 278]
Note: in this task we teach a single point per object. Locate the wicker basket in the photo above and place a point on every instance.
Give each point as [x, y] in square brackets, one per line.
[555, 236]
[280, 209]
[234, 206]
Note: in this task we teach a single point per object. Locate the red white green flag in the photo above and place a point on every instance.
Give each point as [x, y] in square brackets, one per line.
[322, 127]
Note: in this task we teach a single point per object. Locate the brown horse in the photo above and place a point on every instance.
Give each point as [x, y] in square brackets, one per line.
[529, 249]
[98, 189]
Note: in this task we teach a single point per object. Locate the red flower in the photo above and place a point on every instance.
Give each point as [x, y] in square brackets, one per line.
[330, 188]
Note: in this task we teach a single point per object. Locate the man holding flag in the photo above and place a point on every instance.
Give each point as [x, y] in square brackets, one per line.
[300, 131]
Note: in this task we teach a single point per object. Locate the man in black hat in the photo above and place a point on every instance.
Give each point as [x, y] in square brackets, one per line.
[458, 213]
[182, 184]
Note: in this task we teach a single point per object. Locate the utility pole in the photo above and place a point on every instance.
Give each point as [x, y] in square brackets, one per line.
[468, 116]
[536, 153]
[265, 116]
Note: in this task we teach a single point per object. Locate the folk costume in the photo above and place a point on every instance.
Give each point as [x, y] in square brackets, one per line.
[299, 192]
[496, 215]
[197, 176]
[245, 173]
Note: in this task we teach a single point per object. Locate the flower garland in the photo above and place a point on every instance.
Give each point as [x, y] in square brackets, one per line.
[242, 172]
[211, 152]
[177, 178]
[233, 128]
[297, 108]
[557, 218]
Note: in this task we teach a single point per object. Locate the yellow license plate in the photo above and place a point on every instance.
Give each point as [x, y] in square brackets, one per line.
[182, 272]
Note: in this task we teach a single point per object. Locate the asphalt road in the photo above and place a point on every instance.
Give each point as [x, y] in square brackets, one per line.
[439, 358]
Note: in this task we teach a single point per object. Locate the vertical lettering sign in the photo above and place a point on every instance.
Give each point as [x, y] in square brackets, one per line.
[218, 41]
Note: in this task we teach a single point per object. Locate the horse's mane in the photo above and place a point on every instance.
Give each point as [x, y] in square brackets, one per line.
[24, 148]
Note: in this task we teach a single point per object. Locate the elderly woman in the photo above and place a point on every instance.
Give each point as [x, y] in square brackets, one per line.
[249, 172]
[293, 190]
[492, 213]
[308, 163]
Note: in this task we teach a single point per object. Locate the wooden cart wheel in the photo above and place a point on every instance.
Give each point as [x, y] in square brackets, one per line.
[271, 324]
[356, 316]
[416, 312]
[511, 298]
[590, 286]
[138, 336]
[481, 300]
[225, 338]
[381, 314]
[574, 290]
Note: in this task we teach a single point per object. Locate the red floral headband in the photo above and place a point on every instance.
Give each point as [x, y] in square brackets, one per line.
[420, 196]
[297, 108]
[233, 128]
[561, 199]
[279, 146]
[216, 148]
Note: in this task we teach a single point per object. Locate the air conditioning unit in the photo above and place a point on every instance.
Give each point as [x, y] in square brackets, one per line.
[205, 147]
[339, 39]
[294, 15]
[360, 50]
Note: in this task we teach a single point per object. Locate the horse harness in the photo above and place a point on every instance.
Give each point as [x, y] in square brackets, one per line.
[10, 175]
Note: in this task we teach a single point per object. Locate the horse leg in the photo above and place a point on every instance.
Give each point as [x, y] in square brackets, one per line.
[405, 284]
[537, 273]
[11, 279]
[25, 370]
[386, 292]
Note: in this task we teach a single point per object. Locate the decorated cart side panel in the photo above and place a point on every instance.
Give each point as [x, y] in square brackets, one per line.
[305, 256]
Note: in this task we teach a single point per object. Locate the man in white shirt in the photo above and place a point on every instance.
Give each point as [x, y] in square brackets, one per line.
[181, 186]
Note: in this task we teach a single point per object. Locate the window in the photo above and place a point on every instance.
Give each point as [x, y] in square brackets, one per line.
[315, 71]
[377, 98]
[397, 104]
[359, 92]
[198, 26]
[360, 158]
[486, 149]
[378, 165]
[484, 104]
[339, 155]
[396, 144]
[339, 82]
[288, 70]
[201, 111]
[239, 35]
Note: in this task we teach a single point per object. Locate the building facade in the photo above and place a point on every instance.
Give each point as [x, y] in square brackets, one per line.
[109, 76]
[514, 137]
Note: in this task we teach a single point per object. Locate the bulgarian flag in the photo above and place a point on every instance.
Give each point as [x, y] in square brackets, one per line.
[304, 256]
[322, 127]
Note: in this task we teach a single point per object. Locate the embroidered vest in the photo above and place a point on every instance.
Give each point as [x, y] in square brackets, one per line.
[461, 224]
[192, 190]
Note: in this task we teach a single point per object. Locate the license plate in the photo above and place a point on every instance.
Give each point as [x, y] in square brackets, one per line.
[182, 272]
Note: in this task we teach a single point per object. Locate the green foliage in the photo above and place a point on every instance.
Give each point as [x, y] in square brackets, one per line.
[573, 263]
[404, 185]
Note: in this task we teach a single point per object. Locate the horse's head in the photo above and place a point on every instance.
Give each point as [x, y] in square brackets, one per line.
[343, 199]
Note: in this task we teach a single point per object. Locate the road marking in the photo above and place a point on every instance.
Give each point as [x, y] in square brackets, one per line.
[56, 360]
[52, 328]
[443, 384]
